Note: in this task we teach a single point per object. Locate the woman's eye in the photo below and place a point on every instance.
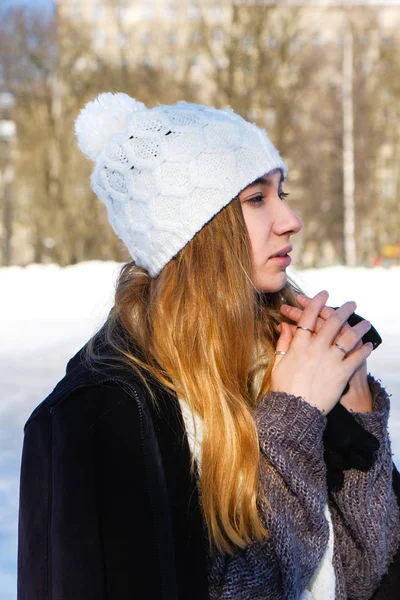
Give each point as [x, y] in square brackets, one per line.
[256, 199]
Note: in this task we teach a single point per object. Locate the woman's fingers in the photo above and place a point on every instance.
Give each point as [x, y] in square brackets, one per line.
[294, 313]
[326, 312]
[309, 318]
[347, 337]
[334, 323]
[305, 301]
[284, 341]
[323, 354]
[351, 337]
[357, 357]
[330, 325]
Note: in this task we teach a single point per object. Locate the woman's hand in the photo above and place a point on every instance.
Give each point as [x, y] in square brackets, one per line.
[358, 398]
[313, 367]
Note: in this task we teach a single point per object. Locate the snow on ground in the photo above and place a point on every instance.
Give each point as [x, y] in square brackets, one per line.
[48, 312]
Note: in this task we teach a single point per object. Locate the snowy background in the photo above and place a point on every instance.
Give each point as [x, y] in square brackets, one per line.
[48, 312]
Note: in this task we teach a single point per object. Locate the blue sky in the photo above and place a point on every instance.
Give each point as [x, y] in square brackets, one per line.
[33, 3]
[37, 6]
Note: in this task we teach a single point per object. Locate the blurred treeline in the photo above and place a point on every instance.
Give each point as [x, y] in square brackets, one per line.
[281, 67]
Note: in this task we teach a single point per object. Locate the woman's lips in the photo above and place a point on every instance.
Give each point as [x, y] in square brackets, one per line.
[282, 261]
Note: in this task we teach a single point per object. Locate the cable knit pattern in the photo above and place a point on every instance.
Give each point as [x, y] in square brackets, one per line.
[365, 515]
[164, 172]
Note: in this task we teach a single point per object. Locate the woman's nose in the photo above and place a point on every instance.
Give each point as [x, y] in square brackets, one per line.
[287, 221]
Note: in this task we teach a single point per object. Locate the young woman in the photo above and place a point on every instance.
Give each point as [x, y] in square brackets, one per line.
[184, 454]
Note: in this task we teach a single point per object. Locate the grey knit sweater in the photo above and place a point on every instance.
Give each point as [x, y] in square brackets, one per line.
[364, 512]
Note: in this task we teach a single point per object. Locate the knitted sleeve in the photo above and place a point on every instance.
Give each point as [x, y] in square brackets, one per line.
[293, 477]
[365, 513]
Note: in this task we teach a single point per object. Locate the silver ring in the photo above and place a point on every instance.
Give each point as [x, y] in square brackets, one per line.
[279, 352]
[341, 348]
[305, 328]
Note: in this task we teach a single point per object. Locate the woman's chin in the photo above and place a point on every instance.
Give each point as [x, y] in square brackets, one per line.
[270, 283]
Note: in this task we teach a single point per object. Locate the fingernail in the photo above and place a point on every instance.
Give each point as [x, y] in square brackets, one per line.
[302, 297]
[285, 308]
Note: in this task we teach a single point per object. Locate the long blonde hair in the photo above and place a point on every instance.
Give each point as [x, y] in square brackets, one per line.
[198, 324]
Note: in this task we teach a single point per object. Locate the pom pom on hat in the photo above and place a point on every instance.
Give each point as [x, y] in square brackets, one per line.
[102, 117]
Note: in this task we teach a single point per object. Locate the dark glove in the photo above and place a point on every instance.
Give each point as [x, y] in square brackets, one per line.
[347, 445]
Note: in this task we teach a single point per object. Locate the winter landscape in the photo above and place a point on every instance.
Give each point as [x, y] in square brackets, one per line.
[47, 313]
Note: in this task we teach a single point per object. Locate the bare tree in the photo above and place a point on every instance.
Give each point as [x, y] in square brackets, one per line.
[52, 69]
[267, 62]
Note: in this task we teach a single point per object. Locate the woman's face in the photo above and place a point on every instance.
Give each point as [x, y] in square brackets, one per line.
[270, 224]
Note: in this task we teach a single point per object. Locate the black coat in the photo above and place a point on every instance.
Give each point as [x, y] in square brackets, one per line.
[108, 507]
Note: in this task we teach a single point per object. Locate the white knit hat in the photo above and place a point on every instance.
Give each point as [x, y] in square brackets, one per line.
[164, 172]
